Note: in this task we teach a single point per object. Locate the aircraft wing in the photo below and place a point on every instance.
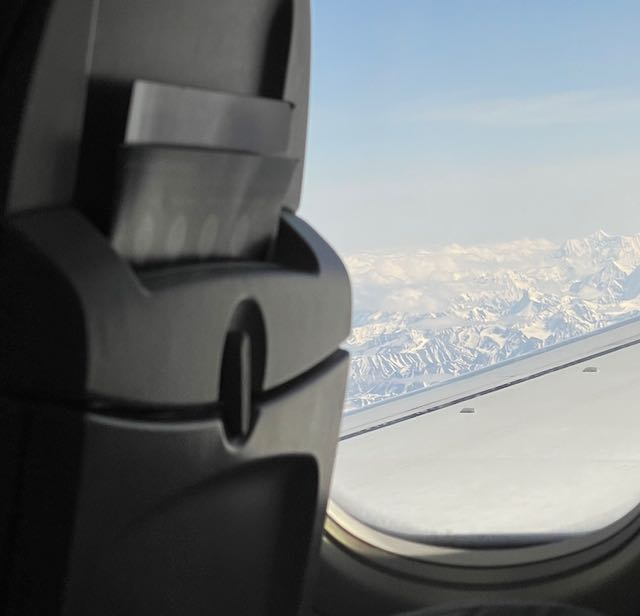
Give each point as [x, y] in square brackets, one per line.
[535, 449]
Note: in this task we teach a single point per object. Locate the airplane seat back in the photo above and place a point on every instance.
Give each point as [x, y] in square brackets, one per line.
[172, 381]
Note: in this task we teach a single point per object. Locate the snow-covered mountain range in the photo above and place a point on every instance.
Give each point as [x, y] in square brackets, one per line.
[423, 316]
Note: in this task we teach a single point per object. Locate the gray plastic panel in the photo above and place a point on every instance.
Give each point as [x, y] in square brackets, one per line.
[43, 88]
[78, 321]
[163, 114]
[221, 45]
[63, 49]
[231, 513]
[121, 515]
[190, 204]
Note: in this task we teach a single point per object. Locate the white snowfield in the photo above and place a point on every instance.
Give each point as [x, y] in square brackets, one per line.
[423, 316]
[542, 447]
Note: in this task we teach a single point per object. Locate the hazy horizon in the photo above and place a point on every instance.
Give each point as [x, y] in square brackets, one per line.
[404, 247]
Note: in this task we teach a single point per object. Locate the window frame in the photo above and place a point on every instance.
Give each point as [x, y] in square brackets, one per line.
[561, 556]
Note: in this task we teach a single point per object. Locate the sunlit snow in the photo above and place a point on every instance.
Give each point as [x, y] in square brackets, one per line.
[423, 316]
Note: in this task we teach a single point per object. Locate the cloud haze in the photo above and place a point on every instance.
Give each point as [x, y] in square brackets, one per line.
[551, 109]
[495, 202]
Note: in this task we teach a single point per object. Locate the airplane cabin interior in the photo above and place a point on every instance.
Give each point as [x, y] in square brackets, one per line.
[172, 332]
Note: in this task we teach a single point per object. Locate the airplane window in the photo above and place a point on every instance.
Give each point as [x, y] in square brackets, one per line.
[476, 165]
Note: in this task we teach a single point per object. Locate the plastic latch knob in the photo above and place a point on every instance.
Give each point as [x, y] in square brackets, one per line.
[235, 388]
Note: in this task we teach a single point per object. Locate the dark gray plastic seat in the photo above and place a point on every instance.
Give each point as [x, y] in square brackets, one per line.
[170, 368]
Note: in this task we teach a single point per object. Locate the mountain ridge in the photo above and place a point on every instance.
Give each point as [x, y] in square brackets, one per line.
[423, 316]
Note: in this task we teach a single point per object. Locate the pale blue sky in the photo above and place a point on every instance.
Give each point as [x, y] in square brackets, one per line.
[438, 121]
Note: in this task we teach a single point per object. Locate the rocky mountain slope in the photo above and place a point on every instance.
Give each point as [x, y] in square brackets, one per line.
[423, 316]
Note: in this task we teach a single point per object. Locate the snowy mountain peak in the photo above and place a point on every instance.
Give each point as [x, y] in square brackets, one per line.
[424, 316]
[600, 246]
